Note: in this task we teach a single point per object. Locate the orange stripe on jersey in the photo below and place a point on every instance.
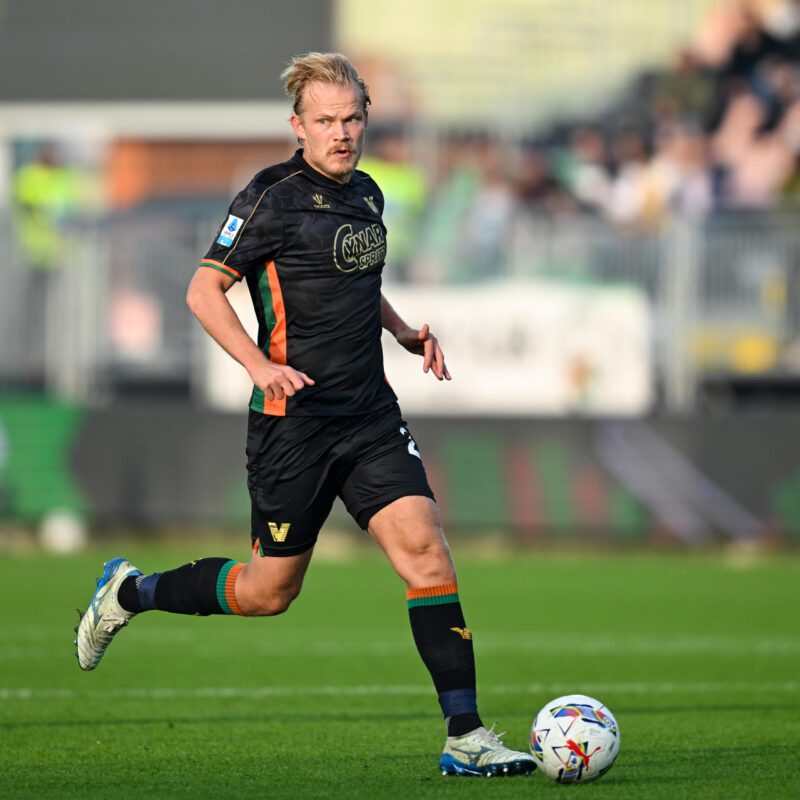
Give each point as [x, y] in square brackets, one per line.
[277, 338]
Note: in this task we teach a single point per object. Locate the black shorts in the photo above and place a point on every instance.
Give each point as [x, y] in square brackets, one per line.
[297, 466]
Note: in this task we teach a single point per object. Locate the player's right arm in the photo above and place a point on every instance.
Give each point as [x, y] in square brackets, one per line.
[208, 301]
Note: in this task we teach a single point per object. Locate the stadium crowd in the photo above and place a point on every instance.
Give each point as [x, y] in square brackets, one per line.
[718, 129]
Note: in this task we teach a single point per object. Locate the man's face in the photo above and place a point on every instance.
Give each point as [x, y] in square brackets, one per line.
[331, 123]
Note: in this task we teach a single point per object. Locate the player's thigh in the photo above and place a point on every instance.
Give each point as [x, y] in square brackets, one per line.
[384, 465]
[388, 493]
[410, 533]
[292, 481]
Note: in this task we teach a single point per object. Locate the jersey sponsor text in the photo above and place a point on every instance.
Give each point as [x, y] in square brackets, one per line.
[359, 249]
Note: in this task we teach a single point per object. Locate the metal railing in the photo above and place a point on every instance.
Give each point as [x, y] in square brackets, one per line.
[110, 316]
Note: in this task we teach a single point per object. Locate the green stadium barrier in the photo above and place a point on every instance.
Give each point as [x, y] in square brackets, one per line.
[37, 437]
[156, 464]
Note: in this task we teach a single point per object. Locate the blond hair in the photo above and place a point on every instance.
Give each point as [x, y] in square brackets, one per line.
[325, 67]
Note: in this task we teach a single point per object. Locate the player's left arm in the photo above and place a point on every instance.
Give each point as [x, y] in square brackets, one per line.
[419, 341]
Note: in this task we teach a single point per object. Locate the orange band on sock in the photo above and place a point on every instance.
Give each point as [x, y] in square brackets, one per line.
[432, 591]
[230, 586]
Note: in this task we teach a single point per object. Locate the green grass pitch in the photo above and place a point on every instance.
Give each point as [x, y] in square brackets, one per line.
[698, 656]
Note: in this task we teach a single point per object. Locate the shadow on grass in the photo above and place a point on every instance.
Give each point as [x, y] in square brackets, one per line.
[704, 709]
[293, 717]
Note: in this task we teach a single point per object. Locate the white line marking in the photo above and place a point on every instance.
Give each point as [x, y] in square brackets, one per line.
[659, 688]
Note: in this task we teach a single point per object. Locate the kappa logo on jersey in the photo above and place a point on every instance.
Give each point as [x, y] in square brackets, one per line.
[370, 201]
[279, 534]
[229, 231]
[359, 249]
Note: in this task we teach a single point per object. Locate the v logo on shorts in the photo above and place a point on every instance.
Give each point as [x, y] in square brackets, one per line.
[279, 534]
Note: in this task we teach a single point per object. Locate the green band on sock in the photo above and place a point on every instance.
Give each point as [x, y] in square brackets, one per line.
[221, 579]
[439, 600]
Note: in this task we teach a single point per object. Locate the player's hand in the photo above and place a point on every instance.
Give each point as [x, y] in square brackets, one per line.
[423, 343]
[279, 380]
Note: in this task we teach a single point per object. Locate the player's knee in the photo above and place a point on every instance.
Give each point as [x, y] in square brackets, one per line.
[272, 604]
[429, 564]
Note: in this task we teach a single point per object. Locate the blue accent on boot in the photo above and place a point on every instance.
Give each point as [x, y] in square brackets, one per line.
[453, 766]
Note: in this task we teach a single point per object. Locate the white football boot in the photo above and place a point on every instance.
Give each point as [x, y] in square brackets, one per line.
[481, 752]
[104, 616]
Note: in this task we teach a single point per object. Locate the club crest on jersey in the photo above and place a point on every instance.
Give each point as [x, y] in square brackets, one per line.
[359, 249]
[229, 231]
[319, 201]
[370, 201]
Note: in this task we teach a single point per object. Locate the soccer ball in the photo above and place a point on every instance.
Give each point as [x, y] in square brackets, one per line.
[63, 532]
[574, 739]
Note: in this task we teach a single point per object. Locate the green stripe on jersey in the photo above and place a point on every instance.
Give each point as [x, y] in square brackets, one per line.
[270, 320]
[229, 272]
[257, 401]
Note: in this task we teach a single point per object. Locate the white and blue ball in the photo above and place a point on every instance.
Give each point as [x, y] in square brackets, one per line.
[575, 739]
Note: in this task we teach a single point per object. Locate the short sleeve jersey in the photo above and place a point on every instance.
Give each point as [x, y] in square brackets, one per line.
[312, 251]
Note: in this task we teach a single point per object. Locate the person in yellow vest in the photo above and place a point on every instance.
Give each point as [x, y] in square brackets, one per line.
[405, 192]
[45, 192]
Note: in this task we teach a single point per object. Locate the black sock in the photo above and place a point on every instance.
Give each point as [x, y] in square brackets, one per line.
[202, 587]
[445, 645]
[128, 595]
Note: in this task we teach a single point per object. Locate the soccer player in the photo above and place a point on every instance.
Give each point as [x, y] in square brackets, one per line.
[308, 238]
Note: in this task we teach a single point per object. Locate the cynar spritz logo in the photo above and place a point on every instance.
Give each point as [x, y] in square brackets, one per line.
[359, 249]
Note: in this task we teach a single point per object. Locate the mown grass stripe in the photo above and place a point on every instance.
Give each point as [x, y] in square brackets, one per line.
[622, 687]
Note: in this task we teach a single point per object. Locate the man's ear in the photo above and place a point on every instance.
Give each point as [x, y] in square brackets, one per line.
[297, 126]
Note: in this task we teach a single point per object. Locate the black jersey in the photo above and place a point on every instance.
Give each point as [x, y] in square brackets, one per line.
[312, 251]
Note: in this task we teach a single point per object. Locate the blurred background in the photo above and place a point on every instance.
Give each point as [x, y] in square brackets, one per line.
[595, 206]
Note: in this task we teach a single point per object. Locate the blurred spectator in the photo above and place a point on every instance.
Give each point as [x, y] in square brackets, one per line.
[752, 45]
[781, 18]
[677, 180]
[692, 190]
[790, 132]
[587, 174]
[685, 90]
[405, 193]
[487, 226]
[718, 128]
[45, 193]
[720, 33]
[538, 191]
[439, 252]
[628, 202]
[135, 321]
